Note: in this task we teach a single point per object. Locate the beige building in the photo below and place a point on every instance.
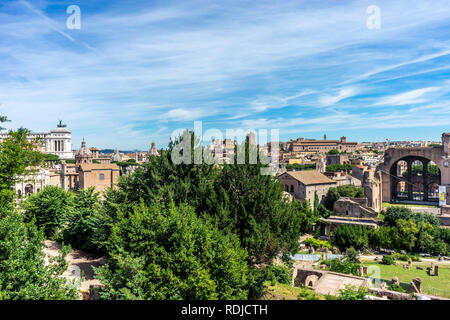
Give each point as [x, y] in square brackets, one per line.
[85, 174]
[322, 146]
[303, 185]
[99, 176]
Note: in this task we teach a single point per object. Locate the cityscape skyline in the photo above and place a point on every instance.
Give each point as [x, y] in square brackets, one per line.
[303, 68]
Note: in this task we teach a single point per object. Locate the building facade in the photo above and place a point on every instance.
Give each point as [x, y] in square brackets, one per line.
[304, 185]
[58, 141]
[322, 146]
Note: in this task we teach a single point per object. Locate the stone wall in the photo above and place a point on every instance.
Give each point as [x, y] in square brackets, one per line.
[353, 207]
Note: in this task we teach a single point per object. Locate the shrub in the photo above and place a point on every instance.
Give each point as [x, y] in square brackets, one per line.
[334, 193]
[351, 254]
[396, 287]
[49, 209]
[346, 236]
[350, 293]
[316, 243]
[393, 214]
[345, 266]
[83, 223]
[307, 294]
[171, 253]
[281, 274]
[388, 260]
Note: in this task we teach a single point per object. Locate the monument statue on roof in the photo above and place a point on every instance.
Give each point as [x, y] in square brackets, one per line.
[60, 125]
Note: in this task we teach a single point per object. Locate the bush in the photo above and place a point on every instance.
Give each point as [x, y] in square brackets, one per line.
[334, 193]
[52, 158]
[316, 243]
[388, 260]
[405, 257]
[169, 252]
[350, 293]
[83, 224]
[345, 266]
[396, 287]
[351, 254]
[307, 294]
[49, 209]
[281, 274]
[346, 236]
[393, 214]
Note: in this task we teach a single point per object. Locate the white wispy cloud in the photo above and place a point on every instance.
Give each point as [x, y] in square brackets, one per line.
[407, 98]
[344, 93]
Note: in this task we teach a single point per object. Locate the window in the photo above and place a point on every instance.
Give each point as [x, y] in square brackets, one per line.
[101, 176]
[292, 188]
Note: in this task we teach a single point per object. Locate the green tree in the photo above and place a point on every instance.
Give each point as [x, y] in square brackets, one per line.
[346, 236]
[333, 151]
[49, 209]
[334, 193]
[385, 237]
[339, 167]
[237, 197]
[52, 158]
[408, 233]
[346, 266]
[18, 156]
[23, 272]
[83, 223]
[171, 253]
[395, 213]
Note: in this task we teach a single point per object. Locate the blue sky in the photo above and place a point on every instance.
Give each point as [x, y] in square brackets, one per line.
[137, 70]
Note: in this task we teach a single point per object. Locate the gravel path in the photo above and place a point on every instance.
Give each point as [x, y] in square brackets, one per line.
[80, 262]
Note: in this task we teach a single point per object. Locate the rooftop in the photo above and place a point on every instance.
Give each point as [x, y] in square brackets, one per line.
[310, 177]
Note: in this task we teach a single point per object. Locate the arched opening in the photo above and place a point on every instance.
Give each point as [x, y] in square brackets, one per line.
[417, 174]
[400, 186]
[28, 189]
[415, 179]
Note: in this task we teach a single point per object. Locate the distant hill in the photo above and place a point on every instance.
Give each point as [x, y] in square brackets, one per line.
[103, 151]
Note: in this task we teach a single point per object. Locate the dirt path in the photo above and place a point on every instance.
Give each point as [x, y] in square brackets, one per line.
[80, 262]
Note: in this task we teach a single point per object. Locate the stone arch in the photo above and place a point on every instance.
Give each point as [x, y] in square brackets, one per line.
[29, 189]
[412, 184]
[311, 280]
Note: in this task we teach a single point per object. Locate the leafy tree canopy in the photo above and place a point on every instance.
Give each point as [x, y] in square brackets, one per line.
[171, 253]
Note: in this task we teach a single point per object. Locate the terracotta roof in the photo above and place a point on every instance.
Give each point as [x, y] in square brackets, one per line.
[309, 177]
[97, 166]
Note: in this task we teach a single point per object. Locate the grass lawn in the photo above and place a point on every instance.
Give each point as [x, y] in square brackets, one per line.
[439, 286]
[280, 291]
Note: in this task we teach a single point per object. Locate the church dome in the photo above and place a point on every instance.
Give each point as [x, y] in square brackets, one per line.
[83, 151]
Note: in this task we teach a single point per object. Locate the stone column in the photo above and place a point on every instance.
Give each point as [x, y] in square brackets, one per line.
[409, 178]
[425, 180]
